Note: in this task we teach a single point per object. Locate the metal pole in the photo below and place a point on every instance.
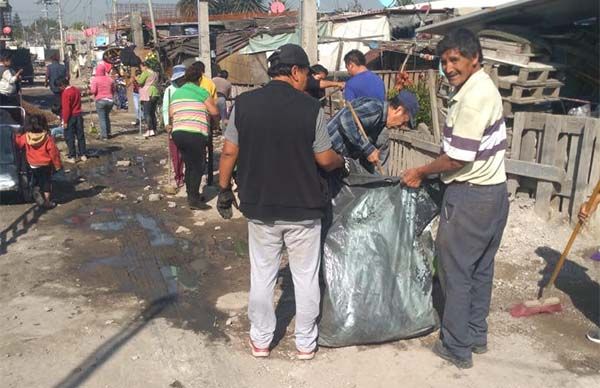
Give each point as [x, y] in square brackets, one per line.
[60, 26]
[114, 9]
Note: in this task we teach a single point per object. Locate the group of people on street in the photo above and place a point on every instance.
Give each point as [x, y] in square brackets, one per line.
[280, 143]
[280, 146]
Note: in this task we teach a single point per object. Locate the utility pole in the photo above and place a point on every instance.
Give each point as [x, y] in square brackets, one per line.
[45, 26]
[204, 36]
[114, 12]
[309, 29]
[62, 39]
[153, 24]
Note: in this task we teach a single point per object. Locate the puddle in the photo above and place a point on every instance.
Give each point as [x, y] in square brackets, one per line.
[115, 220]
[157, 236]
[153, 265]
[107, 226]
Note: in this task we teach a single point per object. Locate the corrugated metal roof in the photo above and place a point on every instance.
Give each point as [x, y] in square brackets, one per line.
[530, 13]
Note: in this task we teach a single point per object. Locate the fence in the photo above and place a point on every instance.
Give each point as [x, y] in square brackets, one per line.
[556, 158]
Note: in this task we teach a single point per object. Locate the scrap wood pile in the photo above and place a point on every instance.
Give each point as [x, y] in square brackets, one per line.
[31, 109]
[539, 72]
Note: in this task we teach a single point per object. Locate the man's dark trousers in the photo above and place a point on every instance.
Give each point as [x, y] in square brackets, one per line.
[471, 226]
[74, 130]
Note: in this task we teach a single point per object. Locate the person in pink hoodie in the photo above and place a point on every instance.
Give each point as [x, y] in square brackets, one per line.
[103, 87]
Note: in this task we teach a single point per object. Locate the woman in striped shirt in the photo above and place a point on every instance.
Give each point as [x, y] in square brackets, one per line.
[189, 113]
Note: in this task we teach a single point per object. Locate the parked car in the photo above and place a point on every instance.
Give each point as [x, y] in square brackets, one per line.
[14, 170]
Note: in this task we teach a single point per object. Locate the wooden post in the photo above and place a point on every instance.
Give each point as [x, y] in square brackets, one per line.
[135, 21]
[431, 86]
[549, 145]
[583, 168]
[138, 34]
[309, 29]
[515, 153]
[338, 61]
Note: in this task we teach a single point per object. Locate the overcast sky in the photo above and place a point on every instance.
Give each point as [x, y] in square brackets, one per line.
[79, 10]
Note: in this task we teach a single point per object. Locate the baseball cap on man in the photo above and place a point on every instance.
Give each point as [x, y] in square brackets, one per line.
[178, 72]
[409, 101]
[289, 54]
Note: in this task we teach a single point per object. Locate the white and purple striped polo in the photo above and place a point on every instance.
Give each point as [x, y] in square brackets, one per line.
[475, 132]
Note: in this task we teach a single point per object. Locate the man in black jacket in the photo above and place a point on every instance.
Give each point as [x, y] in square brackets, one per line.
[277, 136]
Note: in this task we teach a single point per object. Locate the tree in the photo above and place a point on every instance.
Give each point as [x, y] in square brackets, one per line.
[78, 26]
[189, 7]
[17, 26]
[44, 30]
[353, 6]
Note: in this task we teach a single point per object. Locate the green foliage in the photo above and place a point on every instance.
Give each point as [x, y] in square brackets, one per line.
[420, 90]
[43, 31]
[352, 6]
[152, 62]
[18, 30]
[78, 26]
[189, 7]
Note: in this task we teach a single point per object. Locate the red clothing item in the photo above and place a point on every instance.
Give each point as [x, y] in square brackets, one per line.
[71, 103]
[40, 149]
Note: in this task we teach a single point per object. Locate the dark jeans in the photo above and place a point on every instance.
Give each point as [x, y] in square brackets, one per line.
[472, 221]
[74, 130]
[193, 149]
[150, 113]
[12, 100]
[42, 177]
[103, 108]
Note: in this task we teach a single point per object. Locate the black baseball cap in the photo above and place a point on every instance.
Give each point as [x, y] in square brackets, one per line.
[289, 54]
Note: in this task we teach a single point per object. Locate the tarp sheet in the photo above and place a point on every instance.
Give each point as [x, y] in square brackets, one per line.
[267, 42]
[372, 27]
[377, 261]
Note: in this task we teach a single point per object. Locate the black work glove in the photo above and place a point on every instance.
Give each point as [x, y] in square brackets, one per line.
[224, 202]
[346, 168]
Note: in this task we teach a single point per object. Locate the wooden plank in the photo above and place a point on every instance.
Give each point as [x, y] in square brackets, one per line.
[595, 172]
[535, 170]
[535, 121]
[515, 150]
[561, 161]
[422, 145]
[573, 125]
[526, 75]
[508, 81]
[513, 47]
[584, 165]
[530, 100]
[549, 144]
[503, 56]
[432, 87]
[528, 145]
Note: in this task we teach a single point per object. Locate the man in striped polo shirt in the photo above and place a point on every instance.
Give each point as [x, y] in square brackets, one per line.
[475, 205]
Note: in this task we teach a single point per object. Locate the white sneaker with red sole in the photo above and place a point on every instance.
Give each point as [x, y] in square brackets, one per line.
[305, 356]
[258, 352]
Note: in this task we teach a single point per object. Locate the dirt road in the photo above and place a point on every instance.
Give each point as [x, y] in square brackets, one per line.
[112, 290]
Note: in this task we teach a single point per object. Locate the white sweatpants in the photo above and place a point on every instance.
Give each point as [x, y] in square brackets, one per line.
[266, 242]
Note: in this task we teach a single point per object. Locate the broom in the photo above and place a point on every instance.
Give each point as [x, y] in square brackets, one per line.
[553, 305]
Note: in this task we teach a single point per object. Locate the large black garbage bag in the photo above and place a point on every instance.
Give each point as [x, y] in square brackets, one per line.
[377, 261]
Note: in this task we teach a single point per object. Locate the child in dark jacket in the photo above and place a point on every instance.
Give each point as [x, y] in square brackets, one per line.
[72, 119]
[42, 156]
